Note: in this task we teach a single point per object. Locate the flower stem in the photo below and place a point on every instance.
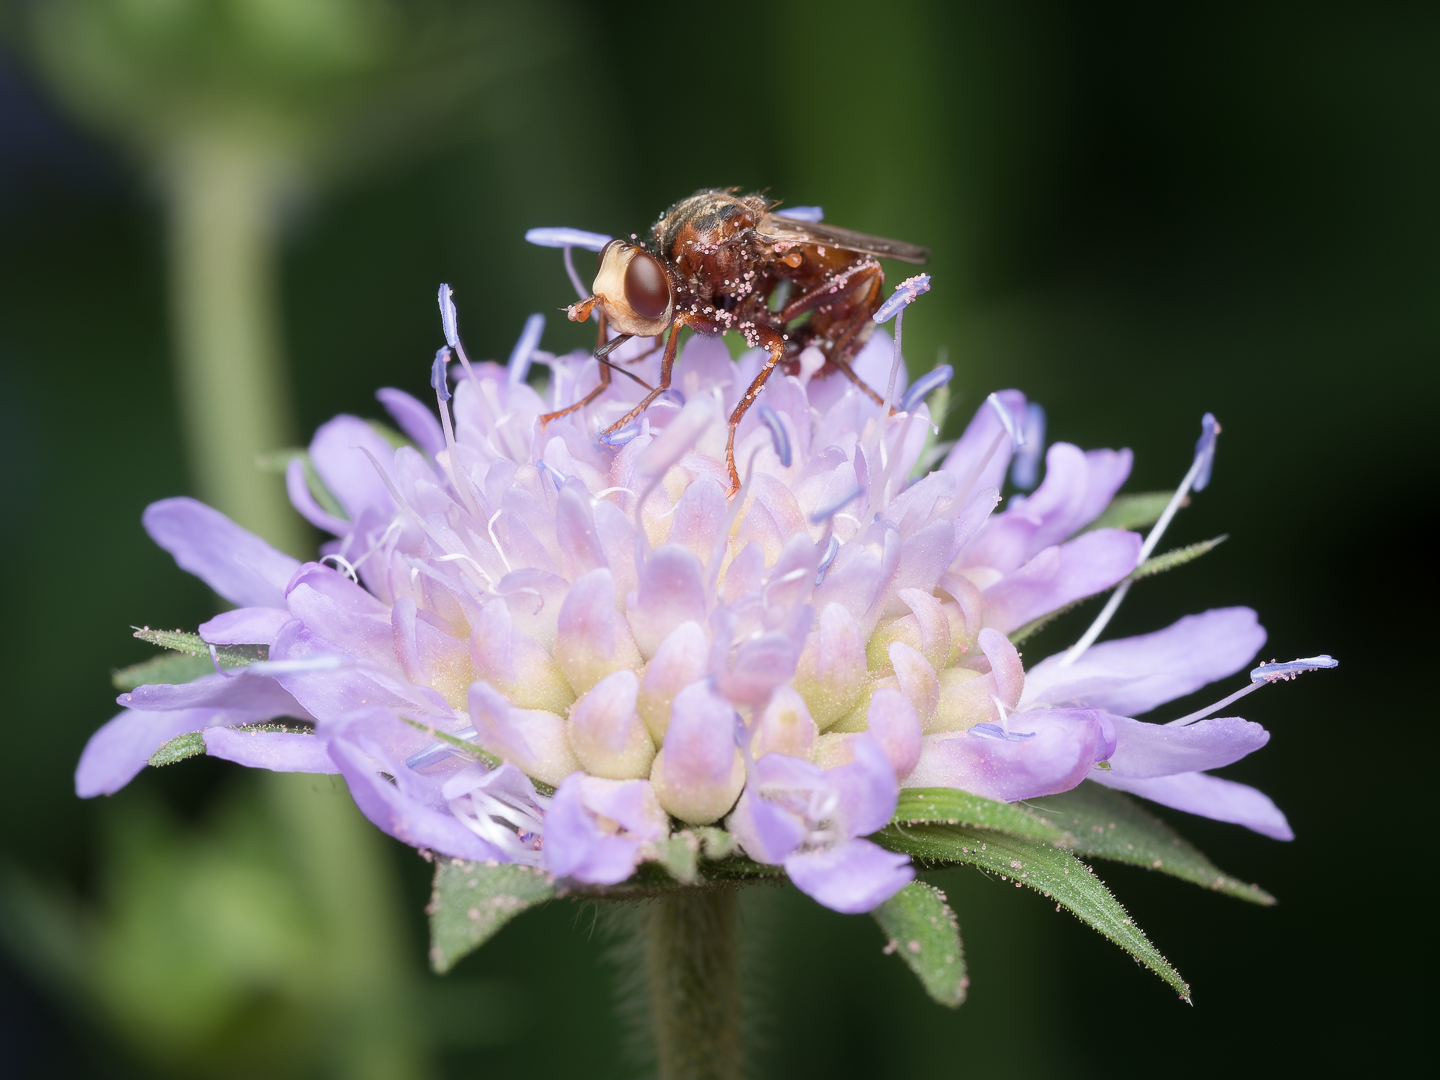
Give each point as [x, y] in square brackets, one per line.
[691, 959]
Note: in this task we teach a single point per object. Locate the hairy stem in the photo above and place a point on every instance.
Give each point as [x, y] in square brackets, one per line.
[691, 959]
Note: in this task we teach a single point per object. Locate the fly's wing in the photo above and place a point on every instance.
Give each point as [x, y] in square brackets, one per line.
[778, 229]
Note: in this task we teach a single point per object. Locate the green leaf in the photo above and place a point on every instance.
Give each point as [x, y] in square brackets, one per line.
[229, 656]
[472, 901]
[922, 929]
[167, 668]
[1133, 511]
[1109, 825]
[1157, 564]
[951, 807]
[179, 748]
[1049, 870]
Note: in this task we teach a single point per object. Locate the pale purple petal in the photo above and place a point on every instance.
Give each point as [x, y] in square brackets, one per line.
[671, 592]
[400, 814]
[1044, 753]
[1109, 469]
[1132, 675]
[767, 832]
[981, 456]
[245, 626]
[234, 562]
[892, 720]
[278, 751]
[414, 418]
[1058, 575]
[246, 696]
[1208, 796]
[1147, 750]
[851, 878]
[339, 454]
[123, 746]
[575, 846]
[866, 788]
[305, 504]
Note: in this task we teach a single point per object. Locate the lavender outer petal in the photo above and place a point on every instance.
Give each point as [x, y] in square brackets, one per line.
[123, 746]
[1064, 745]
[1058, 575]
[851, 878]
[970, 450]
[414, 418]
[245, 626]
[1132, 675]
[1208, 796]
[1145, 750]
[338, 453]
[574, 845]
[234, 562]
[277, 751]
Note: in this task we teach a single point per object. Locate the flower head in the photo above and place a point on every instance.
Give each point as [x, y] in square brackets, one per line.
[526, 644]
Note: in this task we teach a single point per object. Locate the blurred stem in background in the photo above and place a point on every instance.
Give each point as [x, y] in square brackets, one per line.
[234, 394]
[234, 104]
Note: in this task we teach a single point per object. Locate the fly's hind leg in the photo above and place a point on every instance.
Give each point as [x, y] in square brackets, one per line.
[667, 365]
[856, 293]
[774, 343]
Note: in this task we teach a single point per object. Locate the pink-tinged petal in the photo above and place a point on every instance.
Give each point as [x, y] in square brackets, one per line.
[785, 727]
[681, 660]
[700, 518]
[607, 733]
[580, 547]
[1132, 675]
[699, 771]
[245, 626]
[345, 452]
[400, 814]
[1145, 750]
[277, 751]
[414, 418]
[305, 503]
[1058, 575]
[575, 845]
[592, 638]
[832, 668]
[532, 739]
[322, 694]
[123, 746]
[981, 456]
[1208, 796]
[671, 591]
[1005, 665]
[335, 610]
[851, 878]
[1041, 754]
[896, 727]
[765, 831]
[234, 562]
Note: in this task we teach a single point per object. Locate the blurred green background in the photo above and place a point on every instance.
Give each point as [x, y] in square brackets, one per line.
[1138, 213]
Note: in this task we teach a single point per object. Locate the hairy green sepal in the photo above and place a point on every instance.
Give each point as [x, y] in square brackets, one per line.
[1108, 825]
[170, 668]
[923, 931]
[473, 900]
[1047, 869]
[179, 748]
[228, 656]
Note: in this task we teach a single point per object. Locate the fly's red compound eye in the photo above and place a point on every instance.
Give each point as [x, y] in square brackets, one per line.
[647, 289]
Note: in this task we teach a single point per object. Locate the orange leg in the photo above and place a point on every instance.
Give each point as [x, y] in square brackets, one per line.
[588, 398]
[667, 365]
[775, 343]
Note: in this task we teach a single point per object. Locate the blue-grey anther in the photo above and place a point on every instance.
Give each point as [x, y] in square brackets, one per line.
[447, 317]
[563, 237]
[778, 437]
[1016, 433]
[439, 372]
[518, 366]
[832, 548]
[1026, 469]
[1288, 670]
[802, 213]
[907, 292]
[1205, 450]
[924, 386]
[838, 505]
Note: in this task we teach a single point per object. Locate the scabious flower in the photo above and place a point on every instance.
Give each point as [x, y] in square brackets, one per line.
[526, 644]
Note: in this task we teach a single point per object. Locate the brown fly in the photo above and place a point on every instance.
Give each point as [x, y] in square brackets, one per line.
[721, 262]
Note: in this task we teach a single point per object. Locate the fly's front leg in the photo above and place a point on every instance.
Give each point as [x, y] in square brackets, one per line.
[604, 376]
[667, 365]
[774, 343]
